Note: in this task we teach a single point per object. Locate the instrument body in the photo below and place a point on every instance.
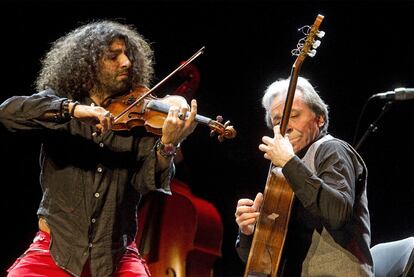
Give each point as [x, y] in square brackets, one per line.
[272, 226]
[181, 234]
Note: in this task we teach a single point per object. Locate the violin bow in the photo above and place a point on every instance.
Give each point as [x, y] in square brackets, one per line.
[181, 66]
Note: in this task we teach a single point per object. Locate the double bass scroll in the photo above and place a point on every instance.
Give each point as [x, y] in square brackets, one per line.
[272, 225]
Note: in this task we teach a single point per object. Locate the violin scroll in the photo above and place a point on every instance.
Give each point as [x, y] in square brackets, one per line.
[224, 131]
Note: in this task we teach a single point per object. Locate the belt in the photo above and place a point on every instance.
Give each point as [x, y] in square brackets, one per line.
[43, 225]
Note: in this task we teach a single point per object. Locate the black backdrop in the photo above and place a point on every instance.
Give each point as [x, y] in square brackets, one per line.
[367, 49]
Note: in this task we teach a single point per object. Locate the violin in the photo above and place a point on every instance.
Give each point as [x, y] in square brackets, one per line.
[141, 108]
[151, 113]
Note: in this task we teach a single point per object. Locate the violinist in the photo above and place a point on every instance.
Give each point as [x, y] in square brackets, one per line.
[329, 229]
[92, 177]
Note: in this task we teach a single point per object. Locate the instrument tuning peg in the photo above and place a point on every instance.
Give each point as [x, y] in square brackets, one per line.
[316, 44]
[219, 118]
[312, 53]
[320, 34]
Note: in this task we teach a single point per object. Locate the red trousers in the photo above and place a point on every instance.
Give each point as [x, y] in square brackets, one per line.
[36, 262]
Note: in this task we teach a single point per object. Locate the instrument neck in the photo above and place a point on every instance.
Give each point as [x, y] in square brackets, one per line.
[164, 108]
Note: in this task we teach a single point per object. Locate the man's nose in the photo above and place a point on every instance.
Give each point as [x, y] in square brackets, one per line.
[124, 61]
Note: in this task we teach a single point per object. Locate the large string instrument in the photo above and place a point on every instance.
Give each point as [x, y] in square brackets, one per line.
[272, 225]
[180, 235]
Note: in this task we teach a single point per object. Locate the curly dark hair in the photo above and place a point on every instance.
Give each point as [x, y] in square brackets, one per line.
[70, 67]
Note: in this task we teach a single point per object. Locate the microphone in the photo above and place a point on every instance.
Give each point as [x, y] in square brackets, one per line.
[398, 94]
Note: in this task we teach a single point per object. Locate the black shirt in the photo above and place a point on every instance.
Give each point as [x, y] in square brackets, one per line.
[91, 184]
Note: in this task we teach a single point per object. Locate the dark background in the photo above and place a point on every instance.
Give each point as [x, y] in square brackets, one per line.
[367, 49]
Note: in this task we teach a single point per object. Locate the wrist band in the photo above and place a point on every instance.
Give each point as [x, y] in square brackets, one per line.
[166, 150]
[64, 109]
[72, 111]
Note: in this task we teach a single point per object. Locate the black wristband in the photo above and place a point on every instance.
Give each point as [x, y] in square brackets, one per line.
[72, 111]
[64, 109]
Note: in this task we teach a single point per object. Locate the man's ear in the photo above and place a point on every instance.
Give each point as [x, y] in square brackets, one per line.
[321, 121]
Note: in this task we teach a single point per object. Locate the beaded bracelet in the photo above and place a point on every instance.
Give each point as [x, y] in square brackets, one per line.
[166, 150]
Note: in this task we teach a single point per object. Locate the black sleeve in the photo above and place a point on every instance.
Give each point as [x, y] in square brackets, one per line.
[146, 178]
[243, 244]
[39, 111]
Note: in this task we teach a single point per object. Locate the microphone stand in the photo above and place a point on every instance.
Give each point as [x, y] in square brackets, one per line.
[373, 126]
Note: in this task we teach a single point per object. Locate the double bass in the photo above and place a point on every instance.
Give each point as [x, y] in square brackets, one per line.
[180, 235]
[272, 225]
